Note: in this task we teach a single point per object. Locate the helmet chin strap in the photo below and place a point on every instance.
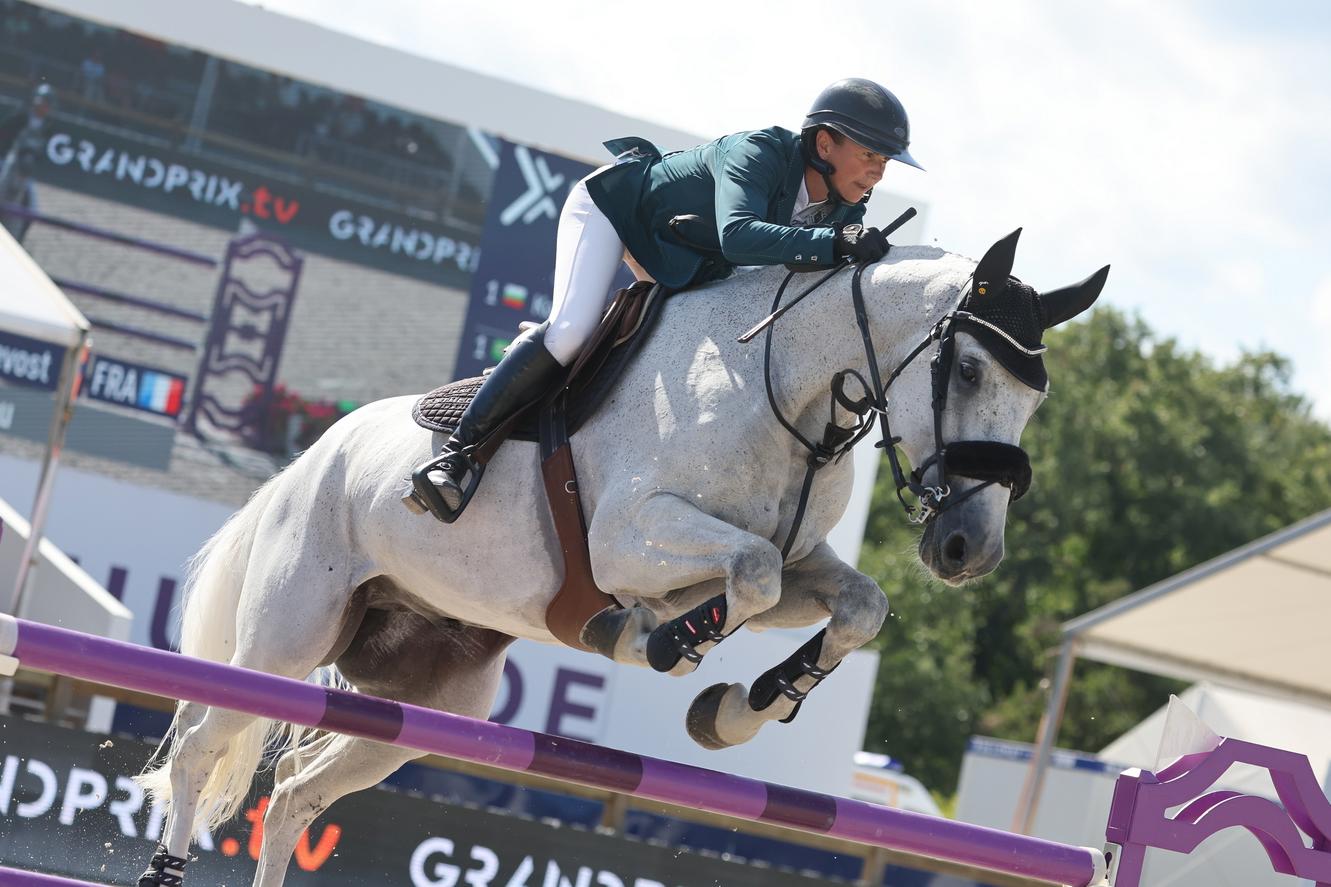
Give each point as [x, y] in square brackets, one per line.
[824, 169]
[832, 191]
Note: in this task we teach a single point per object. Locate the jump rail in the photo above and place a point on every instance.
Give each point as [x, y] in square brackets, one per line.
[151, 246]
[175, 676]
[161, 249]
[16, 878]
[1138, 819]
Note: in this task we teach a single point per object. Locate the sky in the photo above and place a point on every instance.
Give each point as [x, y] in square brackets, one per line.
[1187, 144]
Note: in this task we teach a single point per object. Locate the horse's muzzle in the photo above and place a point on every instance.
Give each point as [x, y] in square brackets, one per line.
[957, 547]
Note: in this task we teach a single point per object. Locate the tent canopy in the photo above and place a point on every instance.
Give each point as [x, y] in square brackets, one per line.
[33, 307]
[1258, 618]
[1255, 619]
[30, 304]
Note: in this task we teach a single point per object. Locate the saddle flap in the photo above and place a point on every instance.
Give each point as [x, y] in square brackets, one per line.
[442, 408]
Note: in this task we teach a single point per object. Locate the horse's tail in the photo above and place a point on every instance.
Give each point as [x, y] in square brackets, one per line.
[213, 585]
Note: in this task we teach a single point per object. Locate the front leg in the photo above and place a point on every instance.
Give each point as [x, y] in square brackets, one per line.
[816, 586]
[664, 548]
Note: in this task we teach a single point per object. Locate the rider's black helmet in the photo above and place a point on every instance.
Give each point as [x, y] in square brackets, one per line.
[864, 111]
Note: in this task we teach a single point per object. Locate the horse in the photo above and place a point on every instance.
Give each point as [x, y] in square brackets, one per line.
[690, 472]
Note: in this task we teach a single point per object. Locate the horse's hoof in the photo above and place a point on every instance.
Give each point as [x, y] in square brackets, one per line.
[701, 719]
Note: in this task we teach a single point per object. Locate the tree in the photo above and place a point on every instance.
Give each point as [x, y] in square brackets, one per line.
[1148, 459]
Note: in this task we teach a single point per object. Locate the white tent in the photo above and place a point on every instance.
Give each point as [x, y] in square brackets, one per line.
[34, 308]
[1256, 619]
[1253, 717]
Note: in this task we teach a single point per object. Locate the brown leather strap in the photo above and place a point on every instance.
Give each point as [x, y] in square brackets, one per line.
[578, 599]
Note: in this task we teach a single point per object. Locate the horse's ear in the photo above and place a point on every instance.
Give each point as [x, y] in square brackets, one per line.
[996, 267]
[1066, 303]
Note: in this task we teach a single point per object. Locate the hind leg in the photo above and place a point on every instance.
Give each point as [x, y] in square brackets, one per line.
[400, 656]
[343, 765]
[213, 762]
[819, 585]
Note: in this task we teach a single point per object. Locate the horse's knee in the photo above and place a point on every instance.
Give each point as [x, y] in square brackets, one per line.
[875, 609]
[858, 615]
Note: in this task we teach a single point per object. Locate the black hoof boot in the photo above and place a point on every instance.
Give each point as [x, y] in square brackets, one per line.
[780, 681]
[680, 637]
[164, 870]
[701, 719]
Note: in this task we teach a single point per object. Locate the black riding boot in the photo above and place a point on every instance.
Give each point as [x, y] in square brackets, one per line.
[524, 374]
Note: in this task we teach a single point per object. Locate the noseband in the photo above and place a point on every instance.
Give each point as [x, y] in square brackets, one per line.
[989, 462]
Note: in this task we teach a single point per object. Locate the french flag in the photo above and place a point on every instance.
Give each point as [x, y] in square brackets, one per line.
[161, 393]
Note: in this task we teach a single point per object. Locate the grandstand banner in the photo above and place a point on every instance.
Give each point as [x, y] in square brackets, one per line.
[513, 278]
[29, 362]
[133, 385]
[210, 192]
[69, 806]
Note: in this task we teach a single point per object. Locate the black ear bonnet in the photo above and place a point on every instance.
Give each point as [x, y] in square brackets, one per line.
[1017, 311]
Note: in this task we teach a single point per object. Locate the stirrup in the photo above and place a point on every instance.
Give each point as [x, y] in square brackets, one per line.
[157, 876]
[428, 495]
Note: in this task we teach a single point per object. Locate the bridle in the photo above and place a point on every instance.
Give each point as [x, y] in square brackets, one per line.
[990, 462]
[987, 461]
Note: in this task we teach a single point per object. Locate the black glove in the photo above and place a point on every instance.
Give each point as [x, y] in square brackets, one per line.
[861, 244]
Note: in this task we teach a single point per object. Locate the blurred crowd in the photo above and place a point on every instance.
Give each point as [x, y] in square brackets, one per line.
[114, 71]
[285, 115]
[102, 65]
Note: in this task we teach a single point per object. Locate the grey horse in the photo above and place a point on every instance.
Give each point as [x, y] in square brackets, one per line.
[690, 484]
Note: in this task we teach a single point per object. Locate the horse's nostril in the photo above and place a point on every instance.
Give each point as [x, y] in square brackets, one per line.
[954, 549]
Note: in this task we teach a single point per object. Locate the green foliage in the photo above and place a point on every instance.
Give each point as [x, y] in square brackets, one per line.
[1148, 459]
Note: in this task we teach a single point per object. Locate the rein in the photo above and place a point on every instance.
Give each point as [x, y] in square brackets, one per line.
[989, 462]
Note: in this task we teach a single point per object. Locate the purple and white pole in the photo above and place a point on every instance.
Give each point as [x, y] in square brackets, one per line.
[176, 676]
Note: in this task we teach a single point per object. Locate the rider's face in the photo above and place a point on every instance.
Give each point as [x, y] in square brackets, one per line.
[857, 168]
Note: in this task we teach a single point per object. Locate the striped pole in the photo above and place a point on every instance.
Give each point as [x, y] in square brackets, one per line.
[17, 878]
[175, 676]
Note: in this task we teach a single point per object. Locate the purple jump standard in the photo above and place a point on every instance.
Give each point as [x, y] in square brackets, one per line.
[175, 676]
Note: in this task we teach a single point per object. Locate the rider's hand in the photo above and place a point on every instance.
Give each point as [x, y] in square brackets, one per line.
[859, 243]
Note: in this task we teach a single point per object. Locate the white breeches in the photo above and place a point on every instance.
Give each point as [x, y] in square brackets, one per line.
[587, 255]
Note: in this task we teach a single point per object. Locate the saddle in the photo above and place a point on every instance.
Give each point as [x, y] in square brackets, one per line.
[627, 323]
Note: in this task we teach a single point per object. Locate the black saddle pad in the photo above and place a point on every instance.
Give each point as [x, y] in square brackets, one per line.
[441, 409]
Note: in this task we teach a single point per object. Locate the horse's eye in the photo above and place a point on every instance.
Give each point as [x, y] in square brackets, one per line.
[968, 373]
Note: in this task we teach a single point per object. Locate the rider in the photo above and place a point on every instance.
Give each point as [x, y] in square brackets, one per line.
[753, 198]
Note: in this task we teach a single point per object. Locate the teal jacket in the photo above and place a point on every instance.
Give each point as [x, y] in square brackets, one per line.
[742, 187]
